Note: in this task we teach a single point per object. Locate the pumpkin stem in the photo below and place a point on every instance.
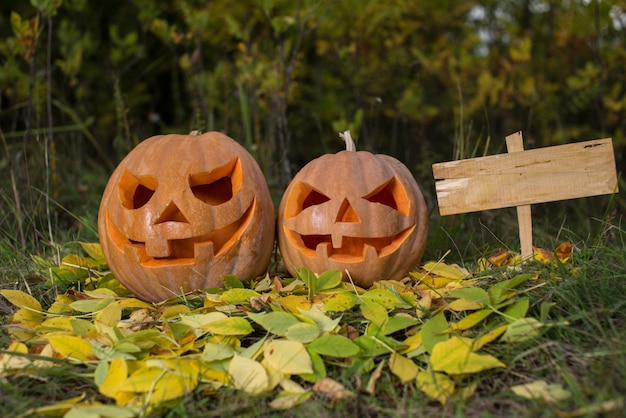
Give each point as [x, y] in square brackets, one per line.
[194, 133]
[349, 142]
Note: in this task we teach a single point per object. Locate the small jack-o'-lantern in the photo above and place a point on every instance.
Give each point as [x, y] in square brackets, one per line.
[181, 211]
[353, 211]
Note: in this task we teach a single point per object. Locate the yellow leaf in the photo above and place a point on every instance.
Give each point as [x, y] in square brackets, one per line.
[136, 303]
[540, 389]
[110, 315]
[23, 324]
[412, 343]
[12, 358]
[384, 297]
[404, 368]
[61, 305]
[455, 356]
[248, 375]
[229, 326]
[117, 373]
[436, 385]
[450, 271]
[288, 357]
[71, 347]
[56, 323]
[293, 303]
[488, 337]
[157, 384]
[174, 311]
[471, 320]
[21, 299]
[465, 305]
[542, 255]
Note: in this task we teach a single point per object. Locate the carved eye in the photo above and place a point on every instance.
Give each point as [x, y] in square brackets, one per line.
[314, 198]
[217, 186]
[304, 196]
[136, 191]
[390, 194]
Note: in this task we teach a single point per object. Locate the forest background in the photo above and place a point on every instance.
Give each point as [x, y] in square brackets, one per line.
[83, 82]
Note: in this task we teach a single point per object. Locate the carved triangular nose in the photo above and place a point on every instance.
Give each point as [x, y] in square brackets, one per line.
[171, 213]
[346, 213]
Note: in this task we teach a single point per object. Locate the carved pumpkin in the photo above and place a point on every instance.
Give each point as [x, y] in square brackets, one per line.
[353, 211]
[181, 211]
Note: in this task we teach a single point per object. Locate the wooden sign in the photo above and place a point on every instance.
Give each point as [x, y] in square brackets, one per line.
[522, 178]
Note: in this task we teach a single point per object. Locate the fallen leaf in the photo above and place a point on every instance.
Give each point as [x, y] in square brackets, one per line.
[335, 390]
[287, 357]
[248, 375]
[436, 385]
[70, 346]
[540, 389]
[455, 356]
[564, 251]
[405, 369]
[334, 346]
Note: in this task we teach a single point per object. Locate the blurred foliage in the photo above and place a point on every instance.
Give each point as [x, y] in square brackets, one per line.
[82, 82]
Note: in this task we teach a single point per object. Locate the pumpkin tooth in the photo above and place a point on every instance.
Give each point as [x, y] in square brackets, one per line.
[203, 251]
[337, 239]
[370, 252]
[322, 250]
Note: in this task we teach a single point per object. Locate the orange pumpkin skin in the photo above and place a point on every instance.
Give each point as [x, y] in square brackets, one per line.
[353, 211]
[181, 211]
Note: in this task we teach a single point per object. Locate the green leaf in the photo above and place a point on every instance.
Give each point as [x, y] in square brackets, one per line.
[319, 368]
[229, 326]
[334, 346]
[216, 352]
[399, 322]
[339, 301]
[474, 294]
[275, 322]
[232, 282]
[309, 279]
[238, 296]
[374, 312]
[302, 332]
[517, 310]
[502, 291]
[287, 357]
[455, 356]
[434, 331]
[329, 280]
[91, 305]
[323, 322]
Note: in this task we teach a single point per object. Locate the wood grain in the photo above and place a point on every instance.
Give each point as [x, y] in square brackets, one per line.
[524, 178]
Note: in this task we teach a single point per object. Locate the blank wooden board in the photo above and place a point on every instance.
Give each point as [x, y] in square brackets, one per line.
[523, 178]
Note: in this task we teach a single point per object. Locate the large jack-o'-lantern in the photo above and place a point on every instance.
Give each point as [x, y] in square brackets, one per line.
[353, 211]
[181, 211]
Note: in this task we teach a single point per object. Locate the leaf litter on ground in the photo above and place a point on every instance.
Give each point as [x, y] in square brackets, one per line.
[277, 334]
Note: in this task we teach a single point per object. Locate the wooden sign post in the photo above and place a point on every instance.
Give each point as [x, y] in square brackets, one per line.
[522, 178]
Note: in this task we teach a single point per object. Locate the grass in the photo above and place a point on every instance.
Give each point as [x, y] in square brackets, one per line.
[587, 356]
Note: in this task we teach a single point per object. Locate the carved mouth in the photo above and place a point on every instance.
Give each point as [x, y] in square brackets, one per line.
[190, 250]
[353, 249]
